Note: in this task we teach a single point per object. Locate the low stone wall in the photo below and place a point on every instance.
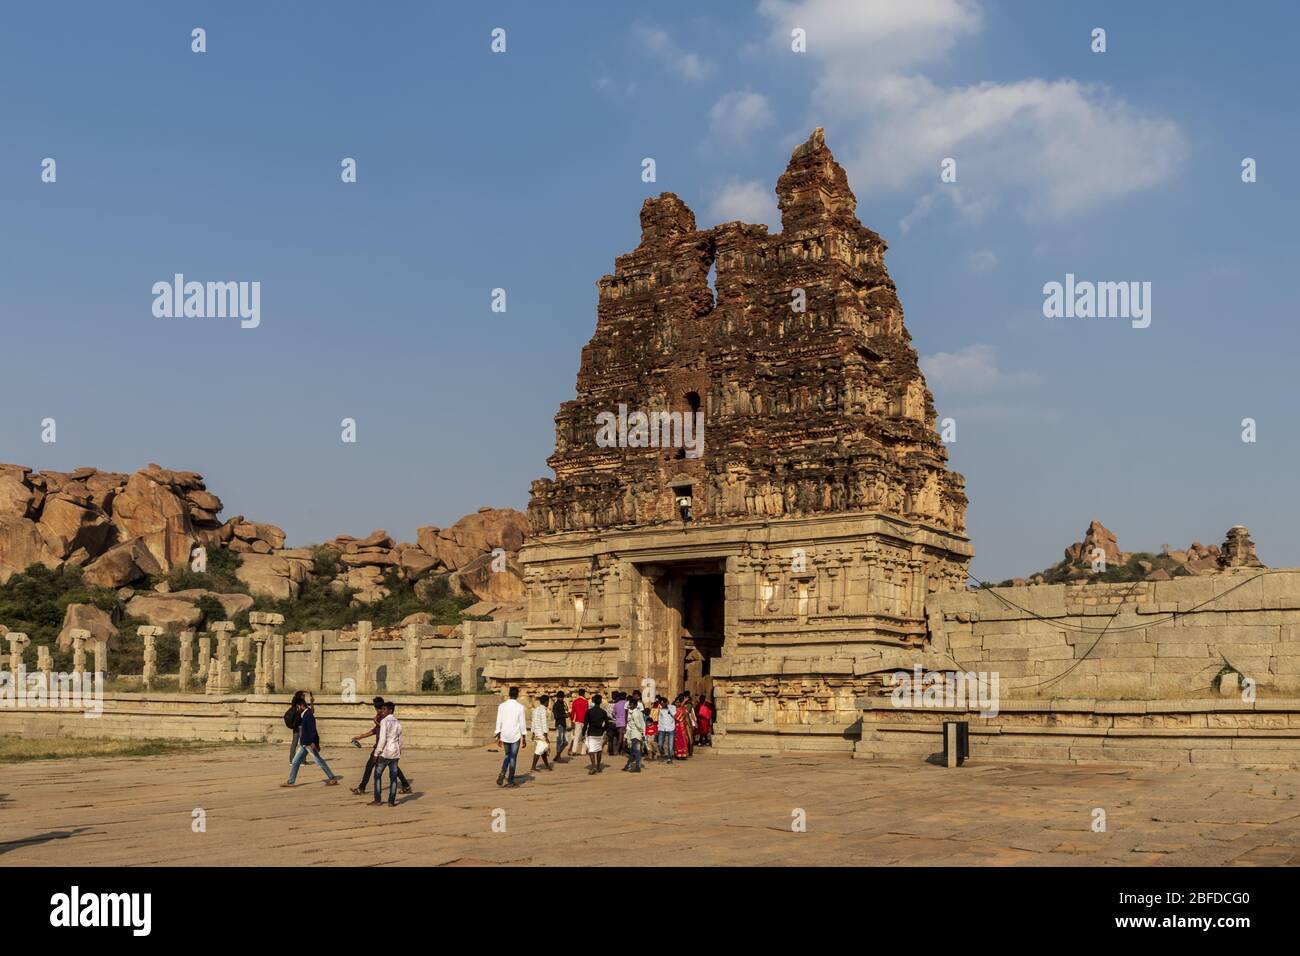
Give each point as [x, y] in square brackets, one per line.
[463, 720]
[1224, 733]
[324, 659]
[1155, 640]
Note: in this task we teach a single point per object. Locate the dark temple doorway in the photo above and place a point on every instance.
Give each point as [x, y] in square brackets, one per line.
[690, 631]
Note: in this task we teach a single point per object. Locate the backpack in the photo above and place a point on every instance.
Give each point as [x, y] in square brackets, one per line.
[291, 718]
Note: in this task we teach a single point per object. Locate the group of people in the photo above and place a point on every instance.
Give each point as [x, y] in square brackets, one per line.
[385, 753]
[660, 730]
[656, 730]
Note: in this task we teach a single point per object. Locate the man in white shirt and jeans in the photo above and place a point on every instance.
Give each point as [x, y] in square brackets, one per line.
[388, 750]
[512, 725]
[667, 727]
[541, 733]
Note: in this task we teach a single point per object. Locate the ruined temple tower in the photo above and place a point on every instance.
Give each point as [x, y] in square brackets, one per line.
[783, 562]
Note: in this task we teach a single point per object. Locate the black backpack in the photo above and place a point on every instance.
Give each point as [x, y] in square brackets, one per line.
[292, 718]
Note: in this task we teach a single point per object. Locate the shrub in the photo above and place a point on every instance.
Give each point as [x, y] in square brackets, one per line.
[33, 602]
[222, 563]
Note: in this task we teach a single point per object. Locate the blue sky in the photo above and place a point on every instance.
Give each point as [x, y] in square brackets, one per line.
[522, 171]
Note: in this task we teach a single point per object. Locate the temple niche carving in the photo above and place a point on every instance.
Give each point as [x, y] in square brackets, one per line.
[812, 396]
[783, 563]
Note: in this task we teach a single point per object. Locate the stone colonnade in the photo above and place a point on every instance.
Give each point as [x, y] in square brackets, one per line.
[263, 648]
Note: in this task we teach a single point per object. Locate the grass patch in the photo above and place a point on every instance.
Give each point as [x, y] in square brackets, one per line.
[19, 749]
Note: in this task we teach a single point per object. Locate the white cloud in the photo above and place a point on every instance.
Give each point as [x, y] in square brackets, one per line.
[752, 201]
[882, 35]
[1058, 148]
[737, 116]
[970, 209]
[659, 44]
[973, 369]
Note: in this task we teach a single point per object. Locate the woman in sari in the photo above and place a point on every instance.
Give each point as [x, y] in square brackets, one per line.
[685, 727]
[705, 722]
[652, 732]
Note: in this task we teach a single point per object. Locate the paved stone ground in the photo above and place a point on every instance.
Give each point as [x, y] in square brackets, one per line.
[713, 810]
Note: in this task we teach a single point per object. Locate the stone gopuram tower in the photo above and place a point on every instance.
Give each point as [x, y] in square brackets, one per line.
[778, 554]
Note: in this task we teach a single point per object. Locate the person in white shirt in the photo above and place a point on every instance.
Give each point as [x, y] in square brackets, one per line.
[388, 750]
[667, 727]
[511, 729]
[541, 734]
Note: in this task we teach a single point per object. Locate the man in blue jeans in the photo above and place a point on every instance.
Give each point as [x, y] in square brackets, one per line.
[635, 736]
[667, 727]
[309, 743]
[388, 751]
[512, 726]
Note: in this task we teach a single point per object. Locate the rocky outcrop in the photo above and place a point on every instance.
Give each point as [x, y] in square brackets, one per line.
[1237, 551]
[474, 535]
[121, 529]
[488, 578]
[98, 623]
[22, 545]
[122, 564]
[273, 576]
[1097, 539]
[165, 611]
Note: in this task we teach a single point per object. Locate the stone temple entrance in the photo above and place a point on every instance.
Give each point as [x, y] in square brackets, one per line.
[810, 521]
[690, 624]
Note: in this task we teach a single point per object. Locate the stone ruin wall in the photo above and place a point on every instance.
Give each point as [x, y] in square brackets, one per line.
[807, 412]
[1166, 639]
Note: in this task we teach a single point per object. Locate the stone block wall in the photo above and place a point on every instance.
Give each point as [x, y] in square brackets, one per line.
[325, 659]
[1191, 637]
[463, 720]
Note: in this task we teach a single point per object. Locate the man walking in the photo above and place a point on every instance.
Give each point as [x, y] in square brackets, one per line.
[635, 736]
[616, 743]
[511, 728]
[388, 751]
[667, 728]
[596, 725]
[578, 714]
[309, 743]
[561, 715]
[541, 734]
[380, 713]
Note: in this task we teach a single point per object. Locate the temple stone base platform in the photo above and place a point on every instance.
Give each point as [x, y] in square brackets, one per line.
[1211, 733]
[464, 720]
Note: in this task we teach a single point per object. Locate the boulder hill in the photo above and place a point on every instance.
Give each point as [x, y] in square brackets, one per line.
[121, 530]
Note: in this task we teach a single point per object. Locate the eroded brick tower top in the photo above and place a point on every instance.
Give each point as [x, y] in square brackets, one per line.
[797, 357]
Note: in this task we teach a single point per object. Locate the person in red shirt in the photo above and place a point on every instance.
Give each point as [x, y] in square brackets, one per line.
[578, 714]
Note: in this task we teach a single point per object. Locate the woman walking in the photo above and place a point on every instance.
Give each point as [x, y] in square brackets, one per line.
[682, 733]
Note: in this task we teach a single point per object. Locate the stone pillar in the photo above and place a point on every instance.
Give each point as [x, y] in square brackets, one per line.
[17, 642]
[243, 648]
[46, 665]
[316, 661]
[277, 662]
[468, 656]
[150, 674]
[204, 663]
[412, 638]
[100, 649]
[221, 683]
[79, 637]
[362, 668]
[187, 661]
[264, 625]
